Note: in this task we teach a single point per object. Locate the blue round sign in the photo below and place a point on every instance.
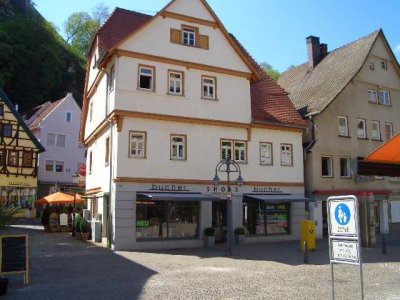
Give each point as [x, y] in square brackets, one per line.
[342, 214]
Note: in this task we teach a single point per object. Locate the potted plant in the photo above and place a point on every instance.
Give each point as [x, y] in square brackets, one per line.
[77, 227]
[239, 236]
[209, 237]
[84, 229]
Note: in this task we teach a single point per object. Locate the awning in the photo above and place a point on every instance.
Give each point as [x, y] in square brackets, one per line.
[176, 197]
[384, 161]
[274, 198]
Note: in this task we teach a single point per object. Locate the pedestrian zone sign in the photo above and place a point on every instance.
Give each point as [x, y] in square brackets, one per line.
[342, 216]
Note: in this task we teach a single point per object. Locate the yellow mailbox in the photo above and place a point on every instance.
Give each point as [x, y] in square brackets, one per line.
[307, 234]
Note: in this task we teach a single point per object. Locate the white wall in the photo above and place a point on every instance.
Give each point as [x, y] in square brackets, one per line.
[56, 123]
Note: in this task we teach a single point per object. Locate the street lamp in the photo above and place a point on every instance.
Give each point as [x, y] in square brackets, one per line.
[75, 180]
[228, 166]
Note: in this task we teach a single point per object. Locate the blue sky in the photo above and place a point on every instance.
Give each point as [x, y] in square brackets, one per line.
[272, 31]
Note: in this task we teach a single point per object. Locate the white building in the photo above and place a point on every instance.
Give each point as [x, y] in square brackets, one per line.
[56, 126]
[166, 98]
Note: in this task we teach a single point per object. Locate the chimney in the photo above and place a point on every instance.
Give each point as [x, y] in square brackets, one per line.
[324, 50]
[313, 51]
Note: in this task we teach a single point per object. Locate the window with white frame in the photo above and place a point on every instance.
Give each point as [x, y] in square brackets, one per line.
[240, 151]
[326, 166]
[345, 167]
[226, 149]
[361, 129]
[372, 96]
[286, 155]
[175, 83]
[178, 147]
[188, 36]
[375, 130]
[388, 130]
[384, 97]
[57, 140]
[265, 153]
[111, 79]
[343, 129]
[146, 78]
[209, 87]
[68, 117]
[137, 144]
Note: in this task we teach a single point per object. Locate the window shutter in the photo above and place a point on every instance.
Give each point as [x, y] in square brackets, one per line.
[203, 40]
[175, 36]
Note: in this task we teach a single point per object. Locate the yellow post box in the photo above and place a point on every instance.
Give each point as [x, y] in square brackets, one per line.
[307, 234]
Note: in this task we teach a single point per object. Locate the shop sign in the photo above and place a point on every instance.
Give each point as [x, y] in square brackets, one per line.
[63, 220]
[266, 189]
[345, 251]
[143, 223]
[222, 189]
[169, 188]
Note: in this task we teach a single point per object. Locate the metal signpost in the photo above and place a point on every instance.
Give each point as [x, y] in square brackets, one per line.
[344, 235]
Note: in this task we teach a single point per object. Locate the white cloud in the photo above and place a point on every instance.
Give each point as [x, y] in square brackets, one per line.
[397, 49]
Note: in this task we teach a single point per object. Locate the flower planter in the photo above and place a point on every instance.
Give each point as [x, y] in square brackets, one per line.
[209, 241]
[78, 235]
[85, 236]
[239, 239]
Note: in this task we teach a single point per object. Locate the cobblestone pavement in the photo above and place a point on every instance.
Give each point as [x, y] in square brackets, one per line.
[63, 268]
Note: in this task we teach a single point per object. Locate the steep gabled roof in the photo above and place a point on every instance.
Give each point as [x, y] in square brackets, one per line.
[313, 89]
[34, 122]
[11, 107]
[269, 102]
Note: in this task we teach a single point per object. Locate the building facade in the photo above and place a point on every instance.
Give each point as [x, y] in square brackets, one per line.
[19, 159]
[56, 125]
[351, 95]
[166, 98]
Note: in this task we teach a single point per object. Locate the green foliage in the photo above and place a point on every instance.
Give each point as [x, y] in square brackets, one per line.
[80, 28]
[239, 231]
[8, 209]
[36, 65]
[77, 223]
[84, 226]
[271, 72]
[209, 231]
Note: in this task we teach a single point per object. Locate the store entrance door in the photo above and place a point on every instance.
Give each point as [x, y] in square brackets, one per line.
[219, 220]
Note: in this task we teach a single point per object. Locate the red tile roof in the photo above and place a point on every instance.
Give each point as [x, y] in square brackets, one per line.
[119, 25]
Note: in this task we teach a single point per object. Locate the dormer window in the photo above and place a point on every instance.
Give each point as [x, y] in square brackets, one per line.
[188, 36]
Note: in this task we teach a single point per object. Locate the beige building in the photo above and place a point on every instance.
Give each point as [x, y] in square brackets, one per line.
[351, 96]
[166, 98]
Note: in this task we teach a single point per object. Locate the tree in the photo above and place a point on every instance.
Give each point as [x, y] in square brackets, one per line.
[271, 72]
[81, 26]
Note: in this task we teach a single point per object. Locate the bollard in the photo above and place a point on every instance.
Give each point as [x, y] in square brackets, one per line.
[305, 259]
[384, 251]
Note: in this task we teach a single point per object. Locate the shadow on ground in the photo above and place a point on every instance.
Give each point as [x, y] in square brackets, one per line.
[61, 267]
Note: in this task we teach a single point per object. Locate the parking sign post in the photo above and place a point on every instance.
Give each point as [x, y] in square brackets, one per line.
[344, 235]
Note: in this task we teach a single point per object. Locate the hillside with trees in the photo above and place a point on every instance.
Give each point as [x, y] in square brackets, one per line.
[36, 64]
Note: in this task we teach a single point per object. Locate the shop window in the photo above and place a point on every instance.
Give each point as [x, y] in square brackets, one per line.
[262, 218]
[137, 144]
[326, 169]
[146, 78]
[27, 159]
[7, 130]
[178, 147]
[167, 220]
[13, 158]
[265, 153]
[286, 155]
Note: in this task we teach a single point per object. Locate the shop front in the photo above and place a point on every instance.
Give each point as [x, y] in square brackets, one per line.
[158, 216]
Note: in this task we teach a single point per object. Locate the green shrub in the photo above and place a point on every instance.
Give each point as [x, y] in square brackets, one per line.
[209, 231]
[77, 223]
[239, 230]
[84, 226]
